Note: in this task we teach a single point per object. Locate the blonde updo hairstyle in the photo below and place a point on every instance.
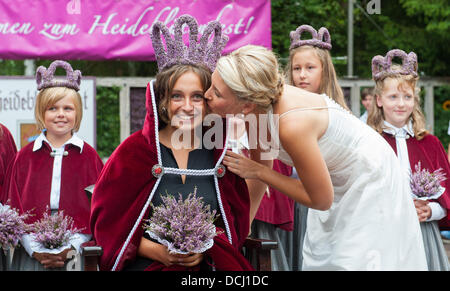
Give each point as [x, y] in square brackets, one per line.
[252, 73]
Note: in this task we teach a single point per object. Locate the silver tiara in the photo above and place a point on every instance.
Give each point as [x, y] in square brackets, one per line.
[198, 52]
[382, 66]
[319, 39]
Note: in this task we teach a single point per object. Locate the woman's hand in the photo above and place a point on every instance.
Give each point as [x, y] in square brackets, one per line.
[423, 210]
[242, 166]
[160, 253]
[189, 260]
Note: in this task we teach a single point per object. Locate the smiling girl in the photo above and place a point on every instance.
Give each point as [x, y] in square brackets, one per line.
[396, 114]
[166, 158]
[54, 170]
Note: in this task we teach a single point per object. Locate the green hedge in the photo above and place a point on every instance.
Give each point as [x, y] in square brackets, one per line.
[108, 120]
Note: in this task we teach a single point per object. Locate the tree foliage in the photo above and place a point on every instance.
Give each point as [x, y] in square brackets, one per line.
[411, 25]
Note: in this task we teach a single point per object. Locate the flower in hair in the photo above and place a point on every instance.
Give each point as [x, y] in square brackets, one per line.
[382, 66]
[45, 78]
[320, 39]
[198, 52]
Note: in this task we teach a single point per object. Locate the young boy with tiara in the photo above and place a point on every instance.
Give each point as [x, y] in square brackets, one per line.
[50, 174]
[397, 116]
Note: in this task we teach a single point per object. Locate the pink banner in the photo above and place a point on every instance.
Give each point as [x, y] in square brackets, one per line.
[112, 29]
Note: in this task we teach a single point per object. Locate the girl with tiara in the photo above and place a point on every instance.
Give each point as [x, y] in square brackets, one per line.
[397, 116]
[50, 174]
[8, 151]
[152, 163]
[360, 214]
[310, 68]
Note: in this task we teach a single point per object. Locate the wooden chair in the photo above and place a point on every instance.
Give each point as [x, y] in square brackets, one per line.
[257, 251]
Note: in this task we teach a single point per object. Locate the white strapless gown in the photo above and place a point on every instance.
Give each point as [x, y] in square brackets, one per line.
[372, 223]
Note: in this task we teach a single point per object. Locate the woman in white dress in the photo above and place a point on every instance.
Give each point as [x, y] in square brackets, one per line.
[361, 211]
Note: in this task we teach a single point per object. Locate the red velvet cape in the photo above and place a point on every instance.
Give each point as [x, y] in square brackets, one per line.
[30, 181]
[8, 151]
[432, 156]
[277, 209]
[125, 185]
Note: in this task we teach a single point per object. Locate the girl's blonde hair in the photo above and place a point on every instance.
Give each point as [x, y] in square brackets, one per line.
[376, 116]
[48, 97]
[252, 73]
[329, 84]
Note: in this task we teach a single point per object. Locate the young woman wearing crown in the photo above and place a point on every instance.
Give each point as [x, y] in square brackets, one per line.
[152, 163]
[360, 215]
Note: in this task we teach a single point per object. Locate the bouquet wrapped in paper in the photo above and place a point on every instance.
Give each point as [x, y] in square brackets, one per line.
[53, 232]
[426, 185]
[184, 226]
[12, 227]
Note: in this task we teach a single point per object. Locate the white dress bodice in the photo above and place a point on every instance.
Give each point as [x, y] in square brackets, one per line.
[372, 223]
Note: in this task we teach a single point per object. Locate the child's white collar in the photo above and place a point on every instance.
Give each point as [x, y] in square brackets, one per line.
[395, 131]
[75, 140]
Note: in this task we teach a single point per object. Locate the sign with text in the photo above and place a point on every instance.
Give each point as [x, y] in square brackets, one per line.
[111, 29]
[17, 100]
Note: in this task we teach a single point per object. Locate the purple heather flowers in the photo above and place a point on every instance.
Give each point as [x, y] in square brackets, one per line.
[54, 231]
[426, 185]
[184, 226]
[12, 227]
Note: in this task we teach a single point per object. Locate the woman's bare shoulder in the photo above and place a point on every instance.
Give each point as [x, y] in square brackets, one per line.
[300, 112]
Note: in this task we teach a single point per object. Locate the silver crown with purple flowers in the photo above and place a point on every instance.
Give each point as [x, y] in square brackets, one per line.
[382, 66]
[45, 78]
[320, 39]
[198, 52]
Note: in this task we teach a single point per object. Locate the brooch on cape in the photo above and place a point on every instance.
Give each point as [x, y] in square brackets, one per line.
[157, 170]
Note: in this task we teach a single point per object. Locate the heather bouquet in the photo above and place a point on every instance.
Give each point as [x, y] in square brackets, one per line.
[426, 185]
[12, 227]
[52, 232]
[184, 226]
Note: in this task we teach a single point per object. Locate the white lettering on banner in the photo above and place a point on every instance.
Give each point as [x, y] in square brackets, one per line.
[110, 27]
[16, 28]
[234, 28]
[57, 31]
[122, 29]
